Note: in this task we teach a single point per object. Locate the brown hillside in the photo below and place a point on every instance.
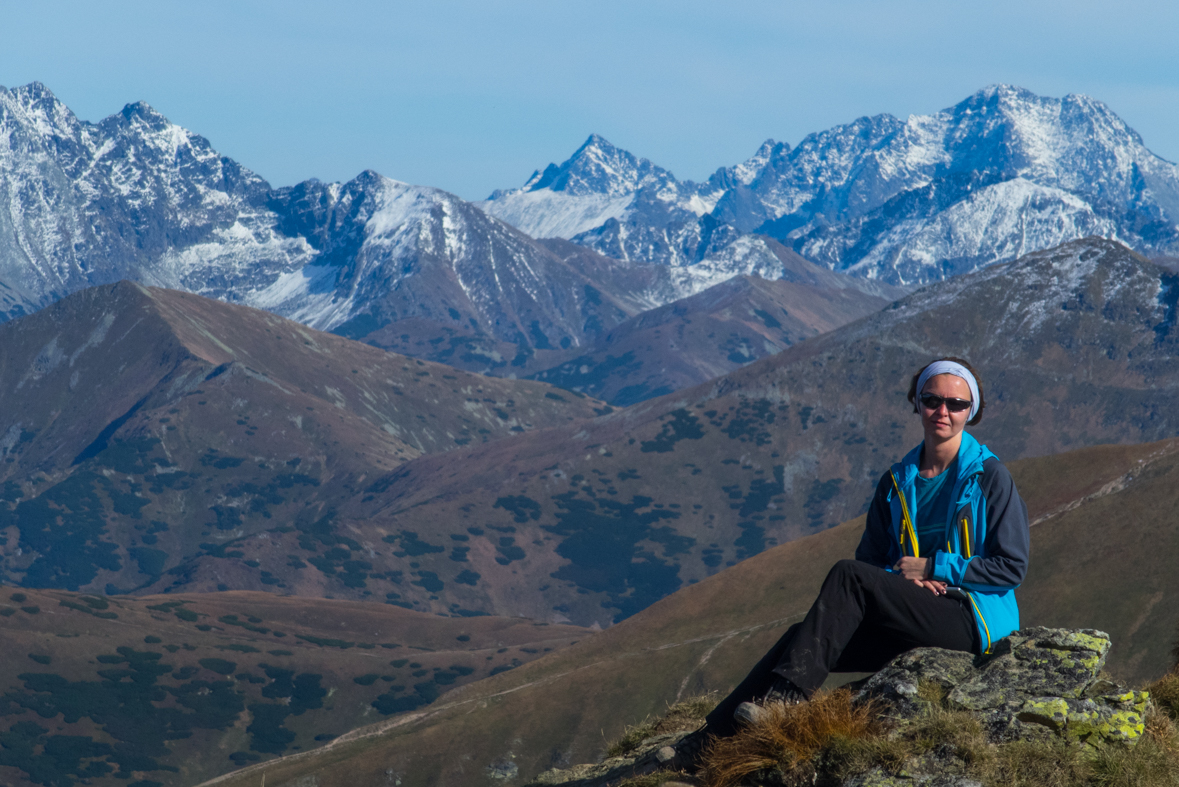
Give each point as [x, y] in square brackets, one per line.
[140, 428]
[595, 521]
[707, 335]
[562, 708]
[180, 688]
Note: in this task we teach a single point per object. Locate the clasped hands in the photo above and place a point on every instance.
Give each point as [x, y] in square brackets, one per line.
[918, 569]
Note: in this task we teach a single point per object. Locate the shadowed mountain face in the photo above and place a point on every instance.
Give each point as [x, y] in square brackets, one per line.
[141, 427]
[596, 521]
[707, 335]
[1095, 511]
[179, 689]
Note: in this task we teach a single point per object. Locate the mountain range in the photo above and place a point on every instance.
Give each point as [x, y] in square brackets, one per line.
[1000, 174]
[409, 268]
[222, 447]
[179, 431]
[423, 272]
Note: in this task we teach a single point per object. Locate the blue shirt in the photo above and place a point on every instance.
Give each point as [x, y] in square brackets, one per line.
[933, 508]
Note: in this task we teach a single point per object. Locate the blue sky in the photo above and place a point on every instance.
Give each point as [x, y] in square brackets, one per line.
[472, 96]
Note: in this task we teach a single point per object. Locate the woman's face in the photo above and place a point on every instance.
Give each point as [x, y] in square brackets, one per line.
[940, 424]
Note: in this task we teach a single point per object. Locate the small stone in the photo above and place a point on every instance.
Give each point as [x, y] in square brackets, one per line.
[906, 689]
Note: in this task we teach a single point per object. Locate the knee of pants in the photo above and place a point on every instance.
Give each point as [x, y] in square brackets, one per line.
[850, 572]
[848, 568]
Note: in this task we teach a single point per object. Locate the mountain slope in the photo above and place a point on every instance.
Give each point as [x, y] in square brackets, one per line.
[1000, 174]
[182, 688]
[705, 637]
[397, 258]
[786, 297]
[140, 427]
[596, 521]
[706, 335]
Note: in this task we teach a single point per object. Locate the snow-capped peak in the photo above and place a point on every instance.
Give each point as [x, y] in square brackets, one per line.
[598, 167]
[747, 171]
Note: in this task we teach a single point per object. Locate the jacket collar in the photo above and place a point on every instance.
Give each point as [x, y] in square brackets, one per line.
[971, 455]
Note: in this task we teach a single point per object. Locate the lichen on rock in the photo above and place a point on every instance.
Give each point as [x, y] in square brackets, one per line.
[1037, 686]
[1035, 682]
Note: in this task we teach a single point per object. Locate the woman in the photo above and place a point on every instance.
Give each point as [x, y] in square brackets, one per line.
[945, 546]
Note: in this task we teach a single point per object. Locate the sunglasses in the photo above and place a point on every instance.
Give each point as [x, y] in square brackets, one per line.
[933, 401]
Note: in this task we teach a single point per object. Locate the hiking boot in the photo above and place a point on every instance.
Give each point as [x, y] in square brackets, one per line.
[689, 751]
[781, 690]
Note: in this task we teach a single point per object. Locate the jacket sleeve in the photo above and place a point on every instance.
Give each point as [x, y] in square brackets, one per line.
[1004, 559]
[877, 542]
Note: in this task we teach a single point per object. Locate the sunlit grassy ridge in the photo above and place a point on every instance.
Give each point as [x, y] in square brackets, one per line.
[561, 709]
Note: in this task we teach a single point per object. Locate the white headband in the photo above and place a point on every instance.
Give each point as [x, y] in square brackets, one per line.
[956, 369]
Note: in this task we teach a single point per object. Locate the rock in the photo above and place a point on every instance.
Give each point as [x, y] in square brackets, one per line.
[879, 778]
[1035, 685]
[1036, 682]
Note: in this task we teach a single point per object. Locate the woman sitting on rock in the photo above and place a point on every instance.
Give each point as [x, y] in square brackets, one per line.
[945, 546]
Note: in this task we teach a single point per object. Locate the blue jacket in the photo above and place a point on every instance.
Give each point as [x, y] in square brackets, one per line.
[986, 543]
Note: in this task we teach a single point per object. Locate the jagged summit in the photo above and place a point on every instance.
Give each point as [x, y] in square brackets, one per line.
[598, 167]
[137, 197]
[1001, 173]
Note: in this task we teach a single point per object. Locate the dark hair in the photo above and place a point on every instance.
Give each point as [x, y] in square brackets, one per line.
[982, 400]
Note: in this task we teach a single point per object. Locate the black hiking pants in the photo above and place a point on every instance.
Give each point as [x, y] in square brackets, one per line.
[863, 618]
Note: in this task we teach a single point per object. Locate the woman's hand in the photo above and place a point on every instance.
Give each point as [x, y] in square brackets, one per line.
[917, 570]
[937, 588]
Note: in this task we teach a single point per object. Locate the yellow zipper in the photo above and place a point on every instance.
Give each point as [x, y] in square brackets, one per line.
[981, 618]
[906, 520]
[966, 536]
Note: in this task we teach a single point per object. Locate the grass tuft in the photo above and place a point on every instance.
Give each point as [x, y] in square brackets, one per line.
[683, 716]
[653, 779]
[785, 746]
[1165, 693]
[632, 737]
[1047, 763]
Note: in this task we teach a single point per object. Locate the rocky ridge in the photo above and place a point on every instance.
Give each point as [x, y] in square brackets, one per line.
[1039, 684]
[409, 268]
[1000, 174]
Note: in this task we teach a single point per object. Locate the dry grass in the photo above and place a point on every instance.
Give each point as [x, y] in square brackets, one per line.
[683, 716]
[1154, 762]
[1165, 693]
[828, 740]
[655, 779]
[788, 743]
